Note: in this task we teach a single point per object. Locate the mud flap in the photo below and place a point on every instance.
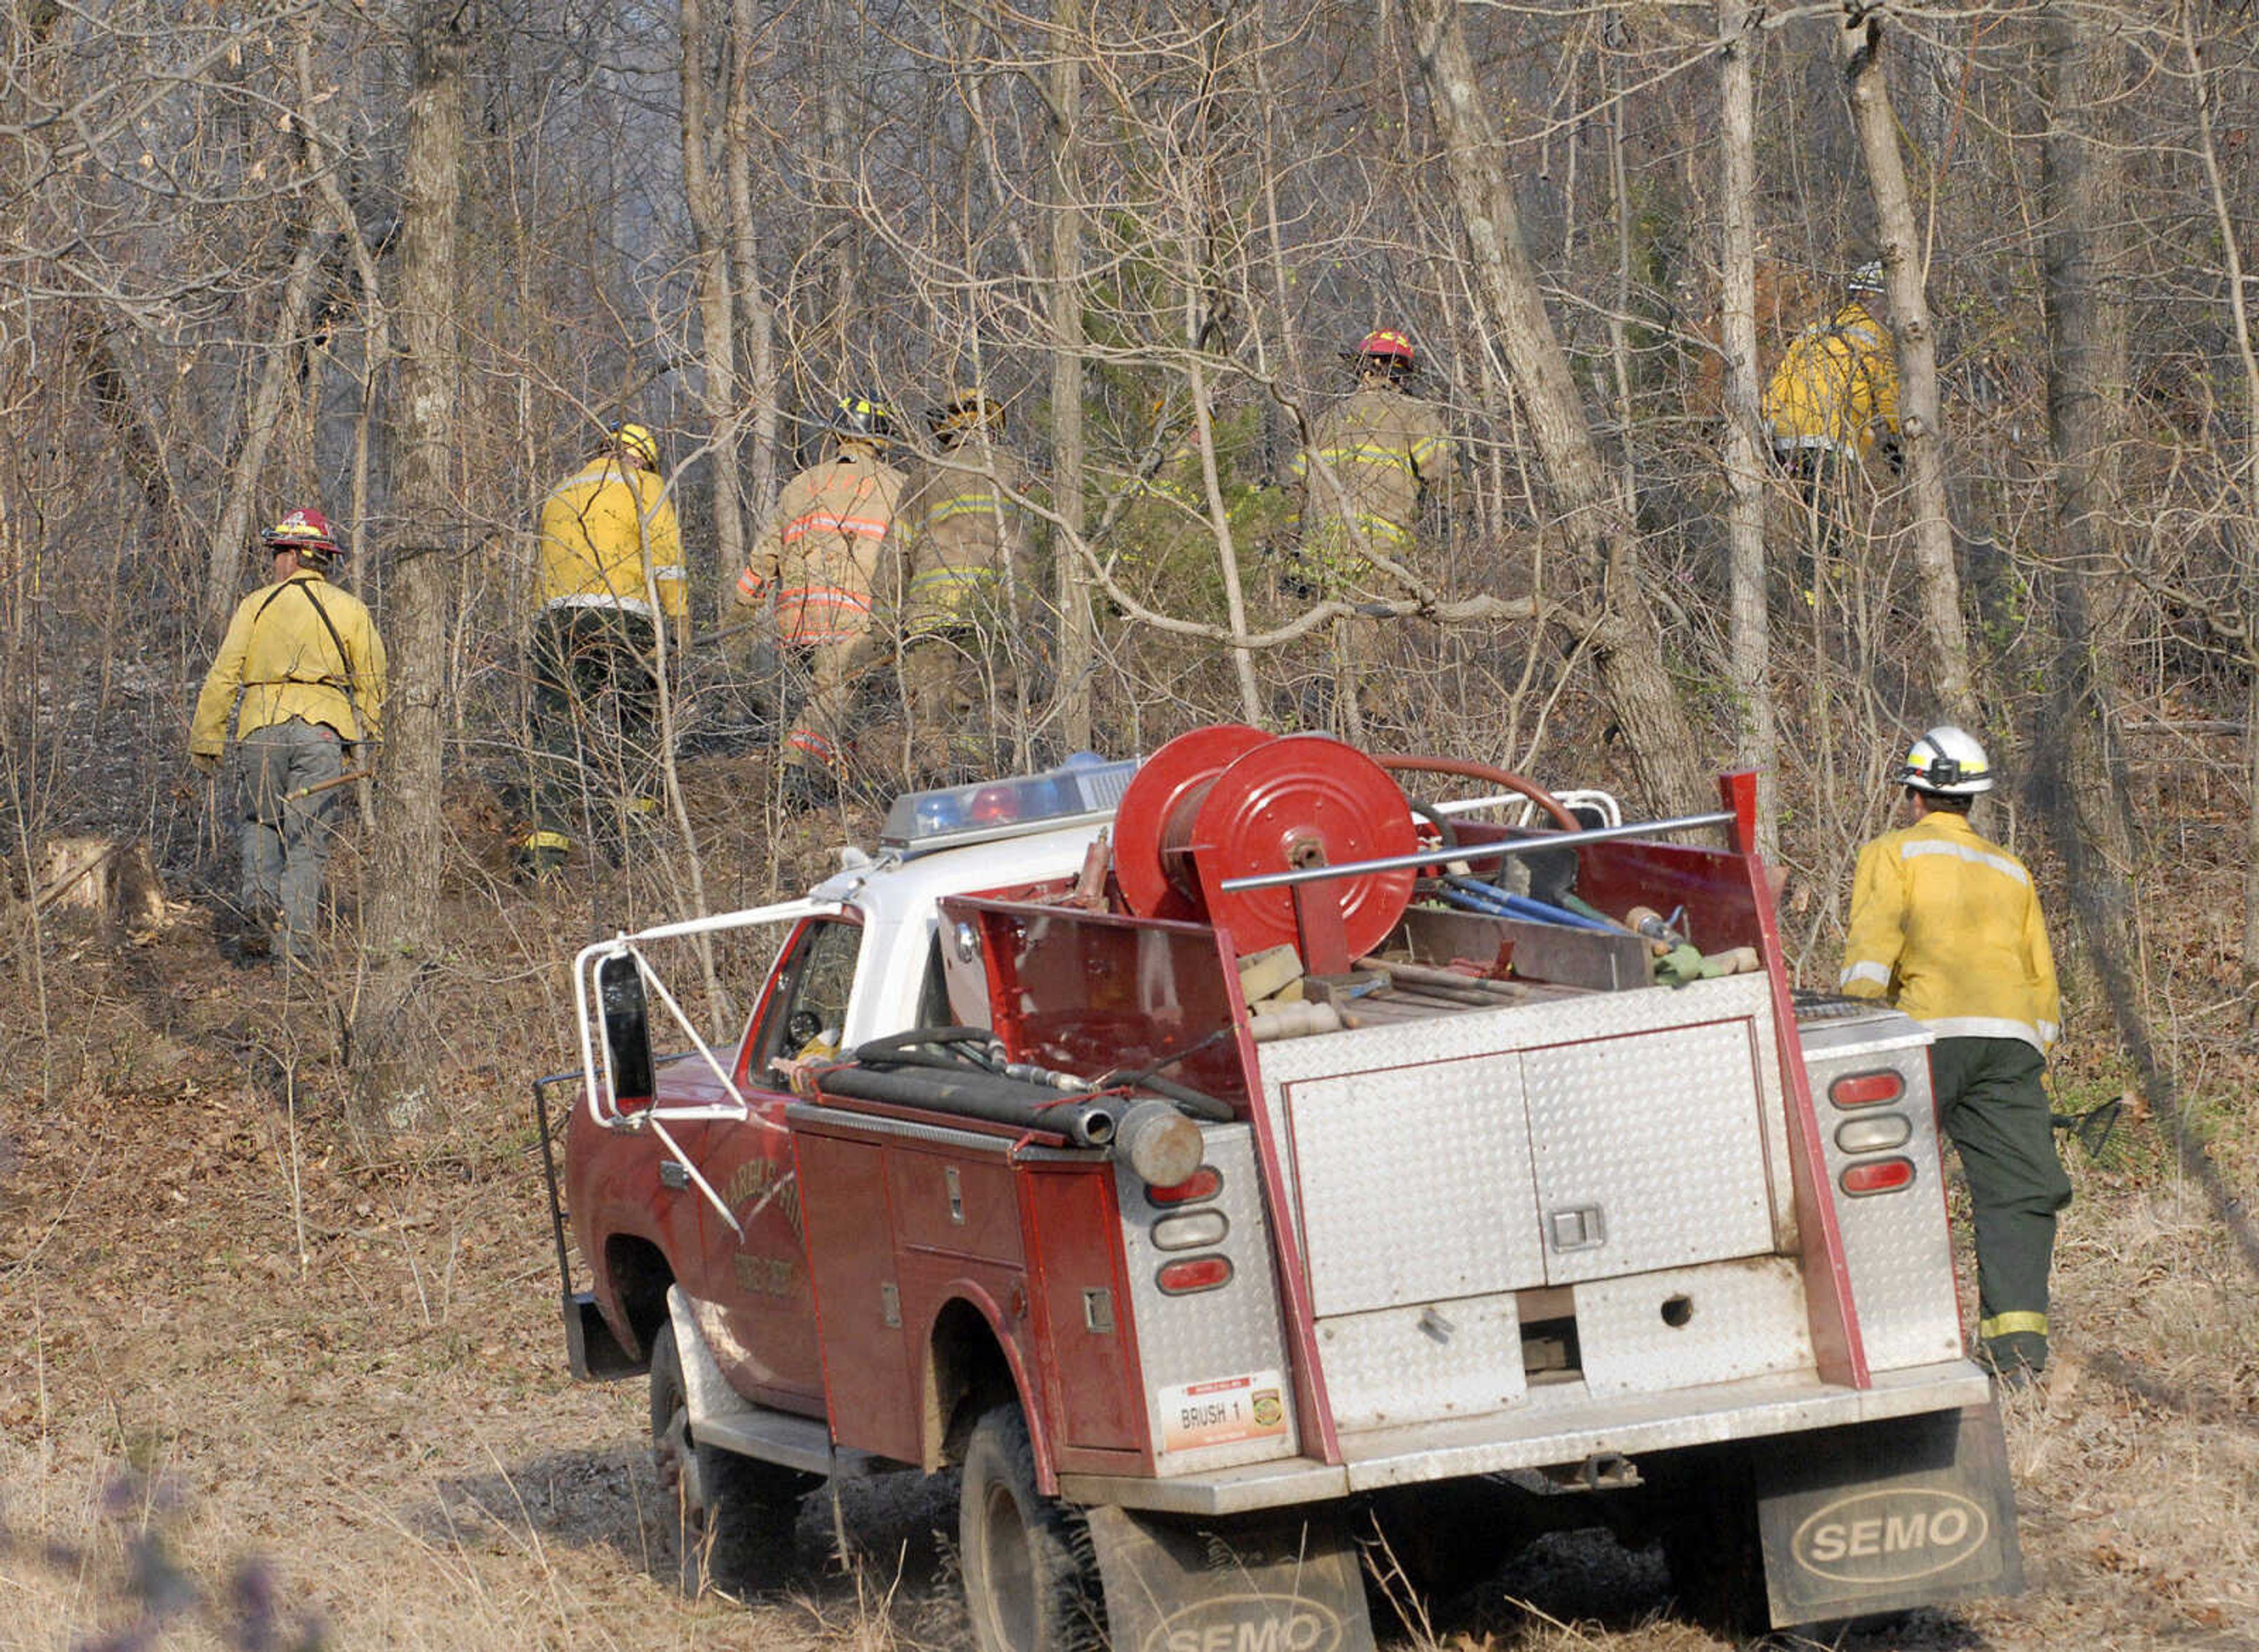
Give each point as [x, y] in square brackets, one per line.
[1888, 1515]
[1248, 1583]
[595, 1353]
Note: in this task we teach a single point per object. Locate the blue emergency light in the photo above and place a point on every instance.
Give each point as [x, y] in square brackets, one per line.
[1086, 787]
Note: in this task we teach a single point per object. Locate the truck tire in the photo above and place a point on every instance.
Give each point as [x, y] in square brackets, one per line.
[1717, 1564]
[733, 1516]
[1026, 1558]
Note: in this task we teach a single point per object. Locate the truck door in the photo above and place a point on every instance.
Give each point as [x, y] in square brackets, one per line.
[759, 1278]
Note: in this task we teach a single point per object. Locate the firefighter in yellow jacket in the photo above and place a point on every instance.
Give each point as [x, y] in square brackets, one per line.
[1833, 399]
[831, 563]
[968, 575]
[308, 664]
[1371, 458]
[609, 569]
[1947, 927]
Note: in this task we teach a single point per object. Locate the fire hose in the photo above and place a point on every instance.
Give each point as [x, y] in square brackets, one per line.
[1086, 1120]
[1158, 1139]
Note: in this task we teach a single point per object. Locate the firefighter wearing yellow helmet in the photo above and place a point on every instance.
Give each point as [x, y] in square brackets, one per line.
[830, 562]
[608, 570]
[1371, 458]
[309, 667]
[1945, 924]
[968, 572]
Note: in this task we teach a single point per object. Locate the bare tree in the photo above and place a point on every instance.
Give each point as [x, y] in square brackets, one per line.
[707, 197]
[1756, 743]
[1602, 544]
[1906, 275]
[2076, 776]
[1072, 652]
[401, 937]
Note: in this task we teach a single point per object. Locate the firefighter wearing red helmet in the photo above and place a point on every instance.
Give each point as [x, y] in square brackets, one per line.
[1371, 458]
[1946, 925]
[308, 665]
[831, 564]
[609, 572]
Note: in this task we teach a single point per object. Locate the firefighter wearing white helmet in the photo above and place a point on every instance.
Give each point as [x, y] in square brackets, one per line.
[1836, 393]
[831, 563]
[1945, 924]
[609, 569]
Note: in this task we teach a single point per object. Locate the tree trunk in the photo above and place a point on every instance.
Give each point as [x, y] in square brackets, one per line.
[232, 531]
[843, 322]
[1755, 735]
[2075, 775]
[1601, 543]
[387, 1049]
[1075, 650]
[1921, 430]
[756, 321]
[140, 444]
[718, 334]
[2242, 506]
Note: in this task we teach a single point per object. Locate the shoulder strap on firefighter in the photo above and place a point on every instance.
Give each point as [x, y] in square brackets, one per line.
[345, 660]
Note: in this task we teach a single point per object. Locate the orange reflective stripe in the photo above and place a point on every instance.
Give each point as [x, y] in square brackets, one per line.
[814, 743]
[822, 614]
[750, 584]
[825, 521]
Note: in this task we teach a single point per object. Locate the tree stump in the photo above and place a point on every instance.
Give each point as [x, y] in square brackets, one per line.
[112, 880]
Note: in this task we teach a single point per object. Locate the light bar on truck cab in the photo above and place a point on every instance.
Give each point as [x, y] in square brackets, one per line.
[1086, 787]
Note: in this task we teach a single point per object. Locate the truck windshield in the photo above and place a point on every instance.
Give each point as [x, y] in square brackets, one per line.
[804, 1016]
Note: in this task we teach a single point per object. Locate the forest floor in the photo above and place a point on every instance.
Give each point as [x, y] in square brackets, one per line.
[261, 1386]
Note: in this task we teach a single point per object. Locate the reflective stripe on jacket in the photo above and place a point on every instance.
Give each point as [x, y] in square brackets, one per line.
[280, 653]
[1836, 386]
[1946, 926]
[598, 526]
[832, 548]
[1367, 460]
[965, 535]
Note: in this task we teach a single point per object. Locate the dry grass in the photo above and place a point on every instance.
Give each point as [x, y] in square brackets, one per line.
[257, 1387]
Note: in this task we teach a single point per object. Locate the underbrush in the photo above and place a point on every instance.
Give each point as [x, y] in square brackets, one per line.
[268, 1382]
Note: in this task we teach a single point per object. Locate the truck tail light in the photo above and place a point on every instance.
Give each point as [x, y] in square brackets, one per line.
[1204, 1183]
[1193, 1273]
[1865, 1089]
[1878, 1176]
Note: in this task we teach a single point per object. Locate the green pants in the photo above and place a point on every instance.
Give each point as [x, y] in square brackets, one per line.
[1994, 1108]
[594, 718]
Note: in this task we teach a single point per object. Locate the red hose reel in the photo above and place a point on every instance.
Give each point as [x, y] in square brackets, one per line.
[1231, 802]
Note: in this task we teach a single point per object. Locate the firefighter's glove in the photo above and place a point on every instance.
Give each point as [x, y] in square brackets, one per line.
[204, 763]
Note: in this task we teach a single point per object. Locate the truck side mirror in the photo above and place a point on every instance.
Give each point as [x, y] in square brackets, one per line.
[627, 1031]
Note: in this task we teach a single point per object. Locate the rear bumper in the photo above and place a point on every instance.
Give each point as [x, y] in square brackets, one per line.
[1548, 1431]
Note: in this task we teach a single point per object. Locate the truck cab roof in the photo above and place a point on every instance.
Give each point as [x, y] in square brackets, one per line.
[897, 900]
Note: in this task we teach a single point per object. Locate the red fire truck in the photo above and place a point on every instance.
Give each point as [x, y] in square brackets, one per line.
[1232, 1155]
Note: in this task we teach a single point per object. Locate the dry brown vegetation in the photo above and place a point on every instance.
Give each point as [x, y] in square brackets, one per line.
[268, 1361]
[259, 1379]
